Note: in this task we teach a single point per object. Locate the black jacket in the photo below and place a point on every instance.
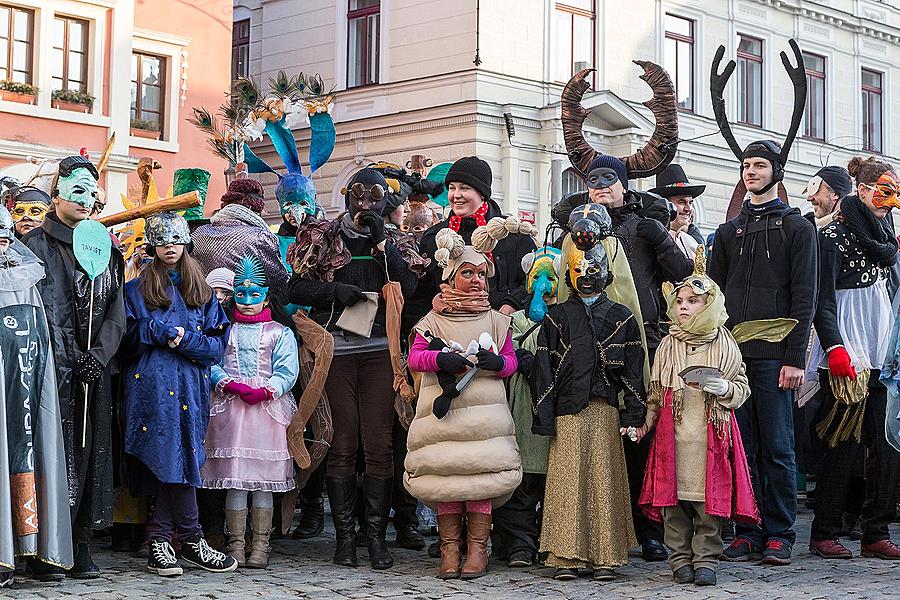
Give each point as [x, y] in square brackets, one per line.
[66, 292]
[507, 286]
[766, 263]
[588, 353]
[842, 266]
[366, 270]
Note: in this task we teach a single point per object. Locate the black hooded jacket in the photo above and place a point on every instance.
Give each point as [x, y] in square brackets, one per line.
[765, 260]
[507, 286]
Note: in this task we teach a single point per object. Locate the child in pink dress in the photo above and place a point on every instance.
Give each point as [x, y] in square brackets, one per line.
[252, 405]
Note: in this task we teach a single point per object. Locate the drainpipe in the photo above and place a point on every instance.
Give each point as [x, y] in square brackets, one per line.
[477, 60]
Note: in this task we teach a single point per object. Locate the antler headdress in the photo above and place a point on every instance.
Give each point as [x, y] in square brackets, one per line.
[659, 150]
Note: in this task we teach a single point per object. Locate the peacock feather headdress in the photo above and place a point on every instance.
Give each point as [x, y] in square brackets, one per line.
[250, 272]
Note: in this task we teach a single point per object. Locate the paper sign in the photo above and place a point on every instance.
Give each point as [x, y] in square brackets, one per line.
[92, 246]
[697, 377]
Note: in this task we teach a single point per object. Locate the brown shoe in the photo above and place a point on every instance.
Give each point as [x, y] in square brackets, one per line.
[236, 530]
[450, 529]
[262, 531]
[885, 549]
[479, 530]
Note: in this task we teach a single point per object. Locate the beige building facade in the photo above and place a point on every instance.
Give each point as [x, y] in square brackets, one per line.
[436, 77]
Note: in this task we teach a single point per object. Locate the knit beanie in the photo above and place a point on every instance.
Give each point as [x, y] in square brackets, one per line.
[837, 178]
[221, 278]
[473, 172]
[246, 192]
[611, 162]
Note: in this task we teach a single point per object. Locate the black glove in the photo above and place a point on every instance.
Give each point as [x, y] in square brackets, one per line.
[489, 361]
[652, 232]
[348, 294]
[87, 368]
[526, 361]
[375, 223]
[451, 362]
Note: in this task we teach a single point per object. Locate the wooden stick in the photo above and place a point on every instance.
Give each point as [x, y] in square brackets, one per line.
[175, 203]
[86, 397]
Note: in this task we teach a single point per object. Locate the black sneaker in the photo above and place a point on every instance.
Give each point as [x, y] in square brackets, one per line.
[199, 554]
[44, 572]
[777, 552]
[162, 559]
[6, 579]
[741, 550]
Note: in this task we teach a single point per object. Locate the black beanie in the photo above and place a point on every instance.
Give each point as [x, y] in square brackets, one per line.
[837, 178]
[473, 172]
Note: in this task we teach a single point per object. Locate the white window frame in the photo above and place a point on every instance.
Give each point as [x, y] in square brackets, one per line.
[884, 69]
[700, 79]
[92, 11]
[342, 31]
[170, 48]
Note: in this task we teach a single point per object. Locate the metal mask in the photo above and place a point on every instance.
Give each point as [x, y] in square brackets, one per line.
[250, 284]
[886, 190]
[79, 186]
[167, 228]
[588, 272]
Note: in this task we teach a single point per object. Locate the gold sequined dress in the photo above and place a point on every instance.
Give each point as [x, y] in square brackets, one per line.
[587, 510]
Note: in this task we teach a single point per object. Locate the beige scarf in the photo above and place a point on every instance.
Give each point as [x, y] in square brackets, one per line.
[453, 302]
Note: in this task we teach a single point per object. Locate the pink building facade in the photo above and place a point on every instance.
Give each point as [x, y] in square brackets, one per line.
[94, 68]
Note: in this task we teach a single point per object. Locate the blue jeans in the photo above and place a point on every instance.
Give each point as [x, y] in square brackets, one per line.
[766, 421]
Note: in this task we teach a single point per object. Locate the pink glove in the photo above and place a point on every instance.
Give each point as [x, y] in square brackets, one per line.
[255, 395]
[237, 388]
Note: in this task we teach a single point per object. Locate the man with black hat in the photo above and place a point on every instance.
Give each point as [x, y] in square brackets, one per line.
[825, 190]
[673, 185]
[765, 260]
[81, 363]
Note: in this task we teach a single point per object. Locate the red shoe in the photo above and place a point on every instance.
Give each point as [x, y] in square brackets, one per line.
[885, 549]
[829, 549]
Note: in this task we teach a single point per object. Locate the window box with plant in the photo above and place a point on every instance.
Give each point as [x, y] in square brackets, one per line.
[13, 91]
[73, 100]
[145, 129]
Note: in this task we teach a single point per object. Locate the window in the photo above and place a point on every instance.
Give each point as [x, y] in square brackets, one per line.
[240, 49]
[573, 23]
[871, 105]
[363, 41]
[148, 90]
[68, 58]
[814, 116]
[572, 182]
[16, 44]
[750, 65]
[679, 53]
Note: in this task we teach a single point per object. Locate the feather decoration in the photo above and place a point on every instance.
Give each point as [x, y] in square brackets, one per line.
[255, 164]
[285, 145]
[322, 139]
[284, 87]
[249, 269]
[245, 92]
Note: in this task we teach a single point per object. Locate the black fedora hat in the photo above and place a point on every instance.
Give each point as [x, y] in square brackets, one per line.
[673, 182]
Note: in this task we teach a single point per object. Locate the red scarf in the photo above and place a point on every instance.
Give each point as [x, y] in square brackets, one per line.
[478, 215]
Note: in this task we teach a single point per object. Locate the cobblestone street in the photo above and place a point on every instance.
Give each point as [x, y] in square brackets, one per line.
[304, 570]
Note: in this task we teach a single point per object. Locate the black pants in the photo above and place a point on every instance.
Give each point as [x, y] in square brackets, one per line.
[882, 475]
[211, 504]
[403, 503]
[518, 522]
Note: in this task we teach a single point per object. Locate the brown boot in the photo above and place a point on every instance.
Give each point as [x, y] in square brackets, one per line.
[262, 529]
[450, 530]
[235, 529]
[479, 530]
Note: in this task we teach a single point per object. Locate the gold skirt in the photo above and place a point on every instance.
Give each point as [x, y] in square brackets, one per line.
[587, 507]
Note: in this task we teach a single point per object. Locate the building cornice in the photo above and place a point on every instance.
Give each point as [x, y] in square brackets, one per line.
[120, 163]
[832, 16]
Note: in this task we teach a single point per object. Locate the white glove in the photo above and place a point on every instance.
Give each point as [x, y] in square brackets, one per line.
[716, 386]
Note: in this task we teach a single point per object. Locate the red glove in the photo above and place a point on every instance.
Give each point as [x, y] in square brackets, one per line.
[237, 388]
[255, 396]
[839, 363]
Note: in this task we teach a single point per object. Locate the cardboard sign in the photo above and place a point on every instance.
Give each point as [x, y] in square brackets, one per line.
[92, 246]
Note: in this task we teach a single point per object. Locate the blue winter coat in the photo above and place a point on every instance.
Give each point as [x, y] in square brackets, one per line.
[166, 390]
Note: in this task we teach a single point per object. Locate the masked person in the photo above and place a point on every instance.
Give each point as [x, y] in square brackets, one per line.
[765, 262]
[588, 351]
[673, 185]
[32, 476]
[462, 455]
[335, 264]
[28, 207]
[697, 436]
[252, 406]
[176, 332]
[853, 323]
[66, 293]
[824, 192]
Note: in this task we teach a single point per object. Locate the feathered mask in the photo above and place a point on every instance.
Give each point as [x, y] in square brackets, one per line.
[250, 283]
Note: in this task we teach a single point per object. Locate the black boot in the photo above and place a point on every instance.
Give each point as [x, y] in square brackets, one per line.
[378, 505]
[312, 520]
[84, 567]
[342, 498]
